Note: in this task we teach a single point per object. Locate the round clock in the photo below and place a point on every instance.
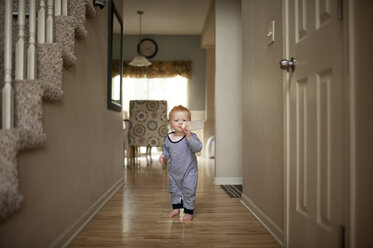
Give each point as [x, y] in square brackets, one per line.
[147, 48]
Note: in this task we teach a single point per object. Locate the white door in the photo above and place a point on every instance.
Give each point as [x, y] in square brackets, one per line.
[315, 123]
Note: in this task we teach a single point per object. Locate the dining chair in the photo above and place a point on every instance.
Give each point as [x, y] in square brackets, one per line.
[148, 126]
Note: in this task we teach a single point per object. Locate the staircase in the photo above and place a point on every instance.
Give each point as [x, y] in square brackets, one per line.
[27, 130]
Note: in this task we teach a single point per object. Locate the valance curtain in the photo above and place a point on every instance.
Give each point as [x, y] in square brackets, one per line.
[114, 68]
[159, 69]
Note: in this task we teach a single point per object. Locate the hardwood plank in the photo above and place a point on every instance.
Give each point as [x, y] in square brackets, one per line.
[136, 216]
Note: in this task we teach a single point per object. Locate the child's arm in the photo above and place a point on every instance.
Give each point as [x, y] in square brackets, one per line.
[194, 143]
[165, 156]
[162, 159]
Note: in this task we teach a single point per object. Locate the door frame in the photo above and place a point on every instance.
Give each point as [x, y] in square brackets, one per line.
[286, 111]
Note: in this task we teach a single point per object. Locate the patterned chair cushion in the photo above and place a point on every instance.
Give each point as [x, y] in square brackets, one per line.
[148, 123]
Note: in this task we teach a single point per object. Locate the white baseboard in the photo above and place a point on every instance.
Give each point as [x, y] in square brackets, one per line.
[228, 181]
[276, 232]
[70, 233]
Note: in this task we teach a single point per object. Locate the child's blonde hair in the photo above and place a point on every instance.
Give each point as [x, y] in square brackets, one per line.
[180, 108]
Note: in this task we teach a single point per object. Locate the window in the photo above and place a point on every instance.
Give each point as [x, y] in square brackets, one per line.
[115, 90]
[174, 90]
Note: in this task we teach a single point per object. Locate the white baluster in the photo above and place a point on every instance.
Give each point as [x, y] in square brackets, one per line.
[31, 56]
[57, 7]
[41, 22]
[64, 7]
[20, 45]
[7, 91]
[50, 22]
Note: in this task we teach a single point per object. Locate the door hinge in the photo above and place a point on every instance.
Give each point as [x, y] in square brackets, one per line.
[340, 9]
[342, 236]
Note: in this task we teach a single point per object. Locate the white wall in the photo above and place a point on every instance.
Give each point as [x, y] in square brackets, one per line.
[228, 92]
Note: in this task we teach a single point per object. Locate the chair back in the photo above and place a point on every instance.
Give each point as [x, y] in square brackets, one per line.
[148, 123]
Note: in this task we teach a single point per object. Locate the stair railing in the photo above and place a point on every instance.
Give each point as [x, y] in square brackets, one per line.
[31, 50]
[25, 64]
[7, 91]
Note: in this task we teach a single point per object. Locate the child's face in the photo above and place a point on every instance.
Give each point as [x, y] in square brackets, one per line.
[177, 120]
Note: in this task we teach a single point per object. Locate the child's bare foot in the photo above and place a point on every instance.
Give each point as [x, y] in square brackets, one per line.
[187, 218]
[174, 213]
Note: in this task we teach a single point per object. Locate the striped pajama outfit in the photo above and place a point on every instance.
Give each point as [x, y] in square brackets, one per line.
[182, 171]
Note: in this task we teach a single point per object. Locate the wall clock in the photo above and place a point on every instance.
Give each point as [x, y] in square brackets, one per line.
[147, 48]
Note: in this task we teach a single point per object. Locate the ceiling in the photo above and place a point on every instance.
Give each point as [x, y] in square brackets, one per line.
[165, 17]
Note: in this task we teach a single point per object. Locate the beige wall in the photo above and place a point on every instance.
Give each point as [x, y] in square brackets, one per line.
[209, 127]
[83, 156]
[208, 43]
[263, 166]
[228, 92]
[208, 31]
[361, 170]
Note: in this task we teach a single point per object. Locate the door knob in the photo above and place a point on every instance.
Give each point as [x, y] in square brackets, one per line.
[288, 64]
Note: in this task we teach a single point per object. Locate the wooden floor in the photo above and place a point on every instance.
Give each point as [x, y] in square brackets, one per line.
[136, 216]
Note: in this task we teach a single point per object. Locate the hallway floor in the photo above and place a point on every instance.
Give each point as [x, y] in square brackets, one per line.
[136, 216]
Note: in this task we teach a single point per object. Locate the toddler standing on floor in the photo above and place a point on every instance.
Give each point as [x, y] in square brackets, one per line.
[179, 149]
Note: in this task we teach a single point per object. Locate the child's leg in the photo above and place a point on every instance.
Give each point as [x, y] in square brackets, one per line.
[189, 194]
[188, 217]
[175, 206]
[176, 198]
[174, 213]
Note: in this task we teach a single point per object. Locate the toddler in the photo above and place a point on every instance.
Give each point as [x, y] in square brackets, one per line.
[179, 149]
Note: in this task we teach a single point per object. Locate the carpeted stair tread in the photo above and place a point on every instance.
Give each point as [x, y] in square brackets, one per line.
[90, 9]
[29, 113]
[10, 197]
[80, 32]
[50, 70]
[78, 10]
[65, 35]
